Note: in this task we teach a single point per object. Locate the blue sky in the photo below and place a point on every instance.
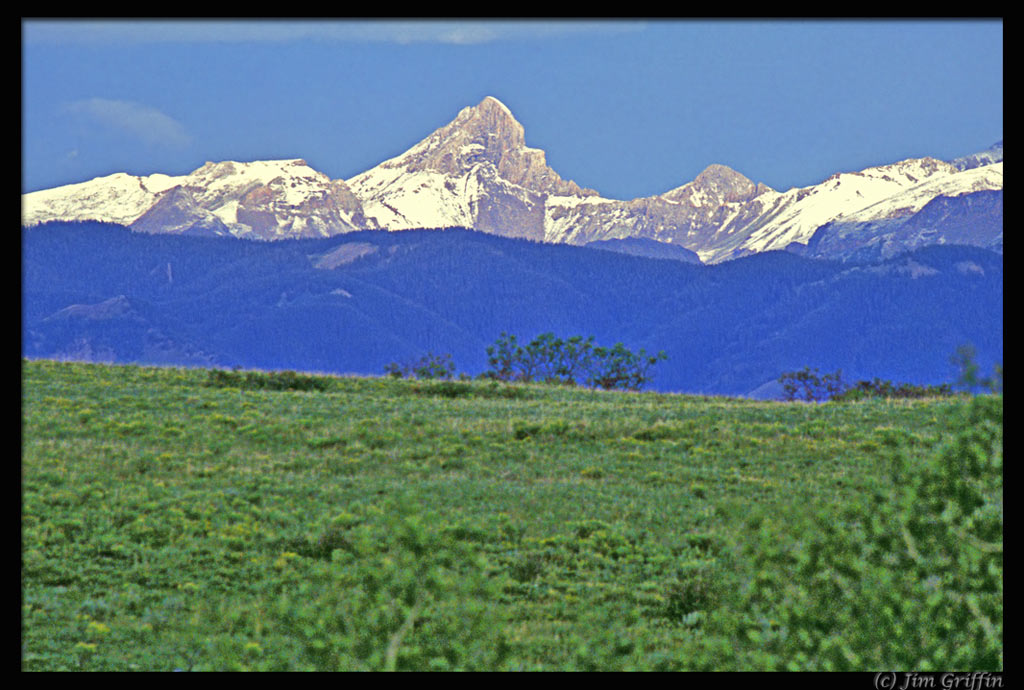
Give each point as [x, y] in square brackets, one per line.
[629, 108]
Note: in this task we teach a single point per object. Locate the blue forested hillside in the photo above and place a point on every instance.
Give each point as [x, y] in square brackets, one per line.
[354, 303]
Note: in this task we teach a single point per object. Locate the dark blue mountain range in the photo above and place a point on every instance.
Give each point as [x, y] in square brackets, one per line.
[357, 302]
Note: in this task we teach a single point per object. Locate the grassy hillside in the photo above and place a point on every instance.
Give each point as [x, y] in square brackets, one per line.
[169, 522]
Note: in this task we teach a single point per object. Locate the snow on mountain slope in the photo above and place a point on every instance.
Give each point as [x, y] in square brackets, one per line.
[401, 200]
[912, 200]
[274, 199]
[117, 198]
[968, 218]
[722, 214]
[794, 215]
[261, 199]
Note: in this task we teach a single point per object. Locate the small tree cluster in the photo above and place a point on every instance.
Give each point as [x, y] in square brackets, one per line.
[576, 360]
[807, 385]
[429, 366]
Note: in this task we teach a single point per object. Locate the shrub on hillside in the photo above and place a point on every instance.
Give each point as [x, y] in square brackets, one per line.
[877, 388]
[430, 366]
[808, 385]
[267, 380]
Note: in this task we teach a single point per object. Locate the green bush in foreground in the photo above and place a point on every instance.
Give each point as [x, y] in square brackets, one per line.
[911, 578]
[390, 591]
[430, 366]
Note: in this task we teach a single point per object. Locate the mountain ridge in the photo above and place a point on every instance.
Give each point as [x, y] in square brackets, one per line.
[477, 171]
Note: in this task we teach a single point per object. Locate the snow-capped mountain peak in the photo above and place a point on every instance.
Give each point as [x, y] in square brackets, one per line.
[117, 198]
[486, 131]
[476, 171]
[259, 199]
[718, 183]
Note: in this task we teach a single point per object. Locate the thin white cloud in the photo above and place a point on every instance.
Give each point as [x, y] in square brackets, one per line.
[459, 32]
[132, 119]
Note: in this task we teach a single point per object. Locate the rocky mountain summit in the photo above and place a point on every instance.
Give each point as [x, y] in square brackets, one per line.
[477, 172]
[483, 136]
[474, 172]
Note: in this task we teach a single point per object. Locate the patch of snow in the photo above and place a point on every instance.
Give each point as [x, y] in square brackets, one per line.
[228, 213]
[158, 182]
[117, 198]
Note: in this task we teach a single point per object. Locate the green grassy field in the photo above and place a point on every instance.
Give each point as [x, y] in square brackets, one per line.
[170, 521]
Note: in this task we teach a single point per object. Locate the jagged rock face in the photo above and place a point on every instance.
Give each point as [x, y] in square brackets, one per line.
[482, 135]
[717, 185]
[511, 213]
[275, 199]
[697, 215]
[176, 212]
